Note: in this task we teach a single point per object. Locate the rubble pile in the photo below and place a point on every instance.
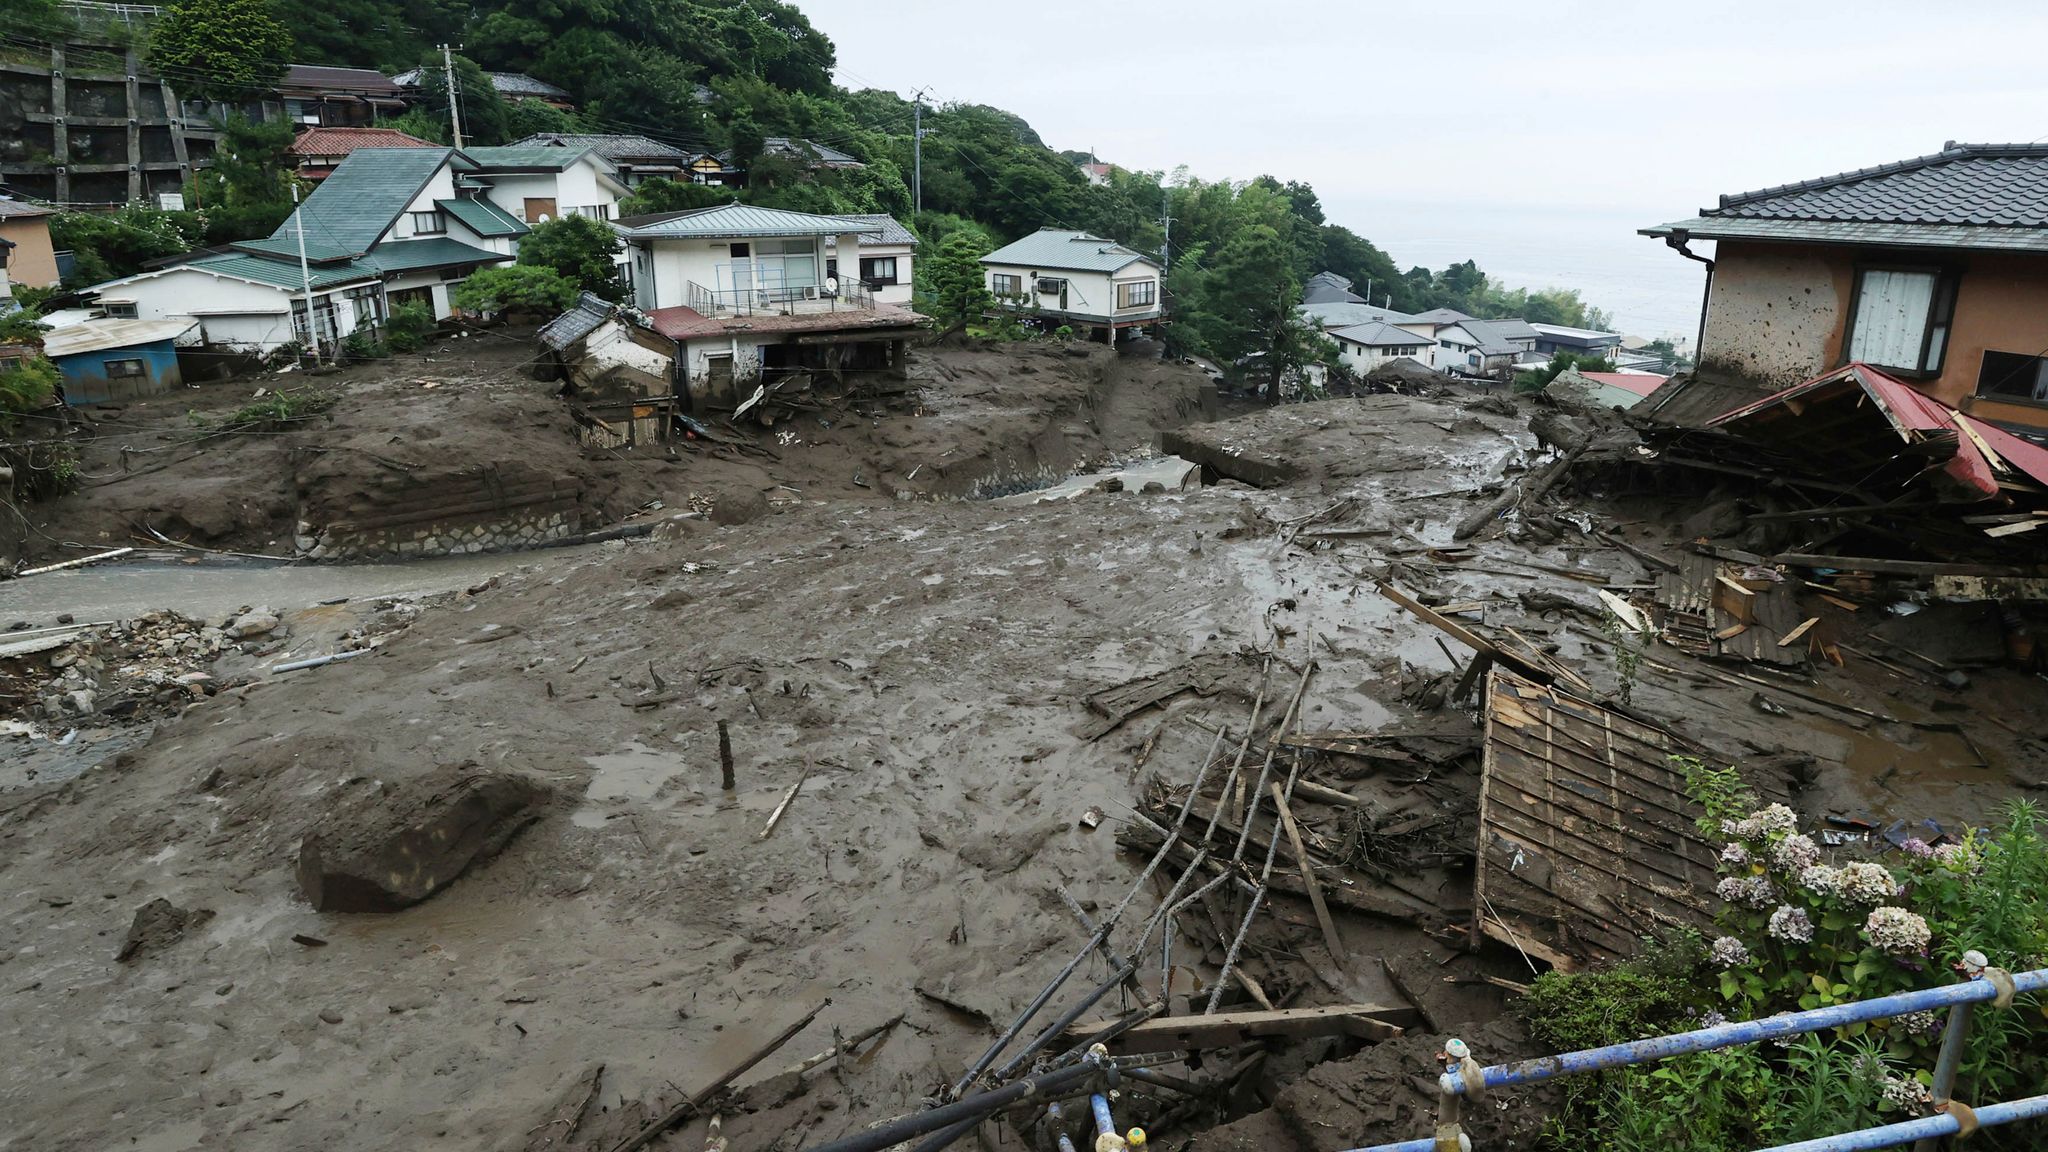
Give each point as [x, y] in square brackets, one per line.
[130, 670]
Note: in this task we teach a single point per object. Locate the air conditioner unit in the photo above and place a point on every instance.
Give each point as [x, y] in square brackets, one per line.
[1051, 285]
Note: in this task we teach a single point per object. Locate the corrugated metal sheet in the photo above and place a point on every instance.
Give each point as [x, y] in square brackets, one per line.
[281, 274]
[439, 252]
[98, 335]
[363, 195]
[740, 220]
[1880, 235]
[483, 217]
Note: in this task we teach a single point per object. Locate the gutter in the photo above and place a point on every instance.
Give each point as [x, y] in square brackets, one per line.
[1678, 241]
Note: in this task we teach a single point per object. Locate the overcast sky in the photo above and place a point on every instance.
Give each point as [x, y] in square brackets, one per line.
[1532, 137]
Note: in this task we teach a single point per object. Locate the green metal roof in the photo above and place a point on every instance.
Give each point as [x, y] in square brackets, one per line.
[739, 220]
[483, 217]
[541, 156]
[439, 252]
[288, 249]
[364, 194]
[285, 274]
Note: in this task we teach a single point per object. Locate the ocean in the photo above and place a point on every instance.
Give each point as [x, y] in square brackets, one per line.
[1649, 289]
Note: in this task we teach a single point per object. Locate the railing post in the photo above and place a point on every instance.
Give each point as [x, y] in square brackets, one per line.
[1450, 1134]
[1945, 1064]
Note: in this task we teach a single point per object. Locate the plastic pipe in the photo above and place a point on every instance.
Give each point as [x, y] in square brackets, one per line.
[1927, 1127]
[902, 1128]
[317, 661]
[1055, 1118]
[1743, 1032]
[1104, 1125]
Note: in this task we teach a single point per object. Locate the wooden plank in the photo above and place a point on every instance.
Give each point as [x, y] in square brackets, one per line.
[1885, 567]
[1225, 1029]
[1331, 940]
[1794, 635]
[1731, 631]
[1732, 597]
[1438, 620]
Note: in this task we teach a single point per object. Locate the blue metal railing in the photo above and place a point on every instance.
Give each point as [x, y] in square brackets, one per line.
[1463, 1075]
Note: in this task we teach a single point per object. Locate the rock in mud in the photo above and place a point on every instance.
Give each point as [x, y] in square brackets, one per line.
[260, 622]
[1005, 853]
[158, 925]
[414, 839]
[738, 506]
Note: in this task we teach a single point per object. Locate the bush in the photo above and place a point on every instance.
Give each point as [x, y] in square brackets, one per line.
[519, 286]
[270, 412]
[580, 250]
[661, 194]
[409, 326]
[25, 387]
[362, 344]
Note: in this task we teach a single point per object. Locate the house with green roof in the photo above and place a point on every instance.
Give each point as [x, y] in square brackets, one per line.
[540, 182]
[1057, 276]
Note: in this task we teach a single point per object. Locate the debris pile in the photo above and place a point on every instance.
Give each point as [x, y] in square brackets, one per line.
[127, 670]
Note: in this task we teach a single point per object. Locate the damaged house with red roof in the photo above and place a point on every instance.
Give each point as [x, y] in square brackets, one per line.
[1874, 351]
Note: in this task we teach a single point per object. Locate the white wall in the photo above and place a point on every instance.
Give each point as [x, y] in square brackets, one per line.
[710, 265]
[1090, 295]
[440, 187]
[906, 259]
[611, 345]
[1362, 359]
[577, 186]
[230, 312]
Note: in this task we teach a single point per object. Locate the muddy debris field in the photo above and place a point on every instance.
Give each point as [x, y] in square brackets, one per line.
[769, 832]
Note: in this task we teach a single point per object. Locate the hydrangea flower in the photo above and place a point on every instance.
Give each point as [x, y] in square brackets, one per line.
[1744, 829]
[1729, 952]
[1866, 883]
[1795, 853]
[1821, 880]
[1956, 858]
[1775, 819]
[1789, 923]
[1917, 847]
[1734, 854]
[1918, 1023]
[1747, 891]
[1896, 931]
[1904, 1092]
[1711, 1019]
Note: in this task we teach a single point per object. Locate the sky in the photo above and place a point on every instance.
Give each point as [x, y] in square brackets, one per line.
[1534, 137]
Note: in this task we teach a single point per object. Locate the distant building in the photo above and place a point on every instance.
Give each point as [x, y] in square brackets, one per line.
[1329, 288]
[1096, 171]
[321, 150]
[327, 97]
[637, 158]
[1471, 347]
[509, 85]
[1073, 278]
[1365, 347]
[1552, 339]
[1934, 270]
[538, 183]
[885, 261]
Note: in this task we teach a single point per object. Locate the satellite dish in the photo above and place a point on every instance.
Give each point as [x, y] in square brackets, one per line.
[544, 218]
[832, 285]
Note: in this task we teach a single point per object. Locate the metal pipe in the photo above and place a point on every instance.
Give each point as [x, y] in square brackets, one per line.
[1100, 934]
[1060, 1024]
[975, 1108]
[1110, 1033]
[1164, 1080]
[1745, 1032]
[1054, 1117]
[1105, 1125]
[317, 661]
[1946, 1063]
[1925, 1128]
[81, 562]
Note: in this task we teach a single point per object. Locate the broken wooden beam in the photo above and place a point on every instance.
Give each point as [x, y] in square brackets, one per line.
[1794, 635]
[1884, 567]
[1331, 940]
[1228, 1029]
[1463, 635]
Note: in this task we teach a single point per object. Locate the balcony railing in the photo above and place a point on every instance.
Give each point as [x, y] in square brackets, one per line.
[779, 300]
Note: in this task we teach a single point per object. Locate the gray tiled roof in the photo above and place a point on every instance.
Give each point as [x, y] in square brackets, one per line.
[892, 231]
[590, 311]
[1442, 316]
[1345, 315]
[611, 147]
[517, 84]
[1966, 195]
[363, 195]
[1376, 334]
[828, 156]
[1329, 288]
[1066, 251]
[1493, 339]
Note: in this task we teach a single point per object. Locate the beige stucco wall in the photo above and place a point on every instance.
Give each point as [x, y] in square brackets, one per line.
[34, 262]
[1776, 312]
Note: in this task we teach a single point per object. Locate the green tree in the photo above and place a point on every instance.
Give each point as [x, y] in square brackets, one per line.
[523, 287]
[248, 190]
[110, 245]
[958, 291]
[525, 118]
[661, 194]
[234, 50]
[579, 249]
[484, 118]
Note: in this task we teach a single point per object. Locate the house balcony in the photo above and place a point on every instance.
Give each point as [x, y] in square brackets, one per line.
[779, 300]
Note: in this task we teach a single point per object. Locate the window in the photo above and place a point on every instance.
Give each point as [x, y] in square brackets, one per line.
[1901, 318]
[121, 369]
[741, 251]
[428, 223]
[1142, 294]
[121, 309]
[594, 211]
[2013, 376]
[1007, 284]
[876, 271]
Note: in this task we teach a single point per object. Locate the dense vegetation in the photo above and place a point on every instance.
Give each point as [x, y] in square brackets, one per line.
[727, 75]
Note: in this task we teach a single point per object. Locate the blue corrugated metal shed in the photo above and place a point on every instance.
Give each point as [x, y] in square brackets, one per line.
[114, 361]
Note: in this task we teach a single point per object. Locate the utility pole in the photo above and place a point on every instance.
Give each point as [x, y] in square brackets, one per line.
[454, 112]
[305, 272]
[917, 153]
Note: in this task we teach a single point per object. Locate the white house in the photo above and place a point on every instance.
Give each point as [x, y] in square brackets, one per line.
[1364, 347]
[1074, 278]
[250, 303]
[1482, 347]
[540, 182]
[886, 256]
[749, 298]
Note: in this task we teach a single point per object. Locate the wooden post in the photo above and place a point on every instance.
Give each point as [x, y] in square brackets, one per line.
[724, 758]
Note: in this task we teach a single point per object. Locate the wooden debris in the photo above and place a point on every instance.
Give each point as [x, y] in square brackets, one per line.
[1348, 743]
[1113, 706]
[1227, 1029]
[1794, 635]
[557, 1128]
[696, 1100]
[1393, 976]
[775, 817]
[1331, 940]
[1488, 651]
[1883, 567]
[725, 776]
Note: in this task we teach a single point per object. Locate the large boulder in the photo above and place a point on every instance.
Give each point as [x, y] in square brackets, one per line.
[411, 840]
